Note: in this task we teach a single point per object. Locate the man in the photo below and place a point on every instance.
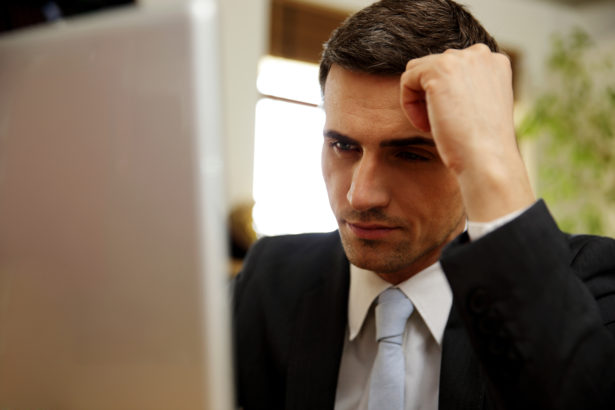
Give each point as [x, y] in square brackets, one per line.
[431, 197]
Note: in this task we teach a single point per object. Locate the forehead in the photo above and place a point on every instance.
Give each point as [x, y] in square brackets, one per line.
[351, 87]
[357, 103]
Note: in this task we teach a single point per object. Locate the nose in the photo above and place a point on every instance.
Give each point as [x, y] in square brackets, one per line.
[369, 188]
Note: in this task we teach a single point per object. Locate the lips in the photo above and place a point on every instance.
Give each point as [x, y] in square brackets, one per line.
[370, 230]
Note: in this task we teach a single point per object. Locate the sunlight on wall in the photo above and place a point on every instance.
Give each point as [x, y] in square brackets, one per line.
[289, 193]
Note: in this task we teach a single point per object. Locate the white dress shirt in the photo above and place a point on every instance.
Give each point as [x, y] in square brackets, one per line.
[431, 296]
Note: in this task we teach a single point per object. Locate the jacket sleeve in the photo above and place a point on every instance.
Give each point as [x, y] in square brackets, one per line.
[539, 307]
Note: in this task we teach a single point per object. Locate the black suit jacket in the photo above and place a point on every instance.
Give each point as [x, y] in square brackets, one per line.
[532, 323]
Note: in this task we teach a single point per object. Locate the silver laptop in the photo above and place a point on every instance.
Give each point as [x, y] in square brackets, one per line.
[112, 244]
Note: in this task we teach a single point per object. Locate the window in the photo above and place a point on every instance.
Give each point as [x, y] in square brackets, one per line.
[289, 192]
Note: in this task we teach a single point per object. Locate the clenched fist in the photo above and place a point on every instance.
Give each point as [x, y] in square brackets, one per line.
[464, 97]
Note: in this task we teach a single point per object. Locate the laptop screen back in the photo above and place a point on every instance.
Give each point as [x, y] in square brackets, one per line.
[112, 243]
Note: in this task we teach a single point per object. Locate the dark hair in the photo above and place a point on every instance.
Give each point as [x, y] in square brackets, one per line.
[383, 37]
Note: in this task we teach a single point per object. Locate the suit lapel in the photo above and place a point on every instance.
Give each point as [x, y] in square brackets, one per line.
[462, 385]
[318, 337]
[318, 340]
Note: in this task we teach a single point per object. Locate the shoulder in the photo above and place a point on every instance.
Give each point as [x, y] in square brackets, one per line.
[592, 254]
[290, 289]
[593, 261]
[291, 264]
[278, 249]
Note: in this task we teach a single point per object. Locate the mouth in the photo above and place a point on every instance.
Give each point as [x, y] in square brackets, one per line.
[370, 230]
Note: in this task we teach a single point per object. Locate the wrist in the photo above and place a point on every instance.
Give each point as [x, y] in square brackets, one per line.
[492, 190]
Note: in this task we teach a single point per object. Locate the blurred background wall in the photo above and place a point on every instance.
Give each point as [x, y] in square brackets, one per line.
[524, 28]
[274, 129]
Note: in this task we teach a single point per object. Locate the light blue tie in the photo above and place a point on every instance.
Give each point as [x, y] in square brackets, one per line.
[386, 389]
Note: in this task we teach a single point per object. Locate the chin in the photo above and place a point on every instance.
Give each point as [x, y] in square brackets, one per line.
[372, 260]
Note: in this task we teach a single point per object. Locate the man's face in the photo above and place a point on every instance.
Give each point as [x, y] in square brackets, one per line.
[395, 202]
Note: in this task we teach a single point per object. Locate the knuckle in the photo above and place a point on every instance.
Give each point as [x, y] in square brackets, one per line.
[503, 62]
[503, 59]
[481, 48]
[430, 85]
[448, 61]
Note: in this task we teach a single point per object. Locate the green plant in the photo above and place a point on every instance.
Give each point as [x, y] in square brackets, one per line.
[573, 123]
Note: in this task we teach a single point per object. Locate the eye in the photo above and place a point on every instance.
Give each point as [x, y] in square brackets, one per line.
[411, 156]
[342, 146]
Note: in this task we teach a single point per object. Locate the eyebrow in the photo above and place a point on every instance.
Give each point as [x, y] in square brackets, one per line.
[395, 143]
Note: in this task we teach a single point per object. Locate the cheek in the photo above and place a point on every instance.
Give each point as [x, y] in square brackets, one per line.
[335, 178]
[327, 172]
[434, 191]
[450, 186]
[325, 165]
[448, 196]
[324, 162]
[331, 181]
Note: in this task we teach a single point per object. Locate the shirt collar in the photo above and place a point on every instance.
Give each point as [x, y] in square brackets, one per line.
[428, 291]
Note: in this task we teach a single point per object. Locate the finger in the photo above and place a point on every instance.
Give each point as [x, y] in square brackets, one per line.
[414, 106]
[411, 64]
[412, 95]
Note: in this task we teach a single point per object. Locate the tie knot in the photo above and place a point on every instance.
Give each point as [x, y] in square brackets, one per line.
[392, 312]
